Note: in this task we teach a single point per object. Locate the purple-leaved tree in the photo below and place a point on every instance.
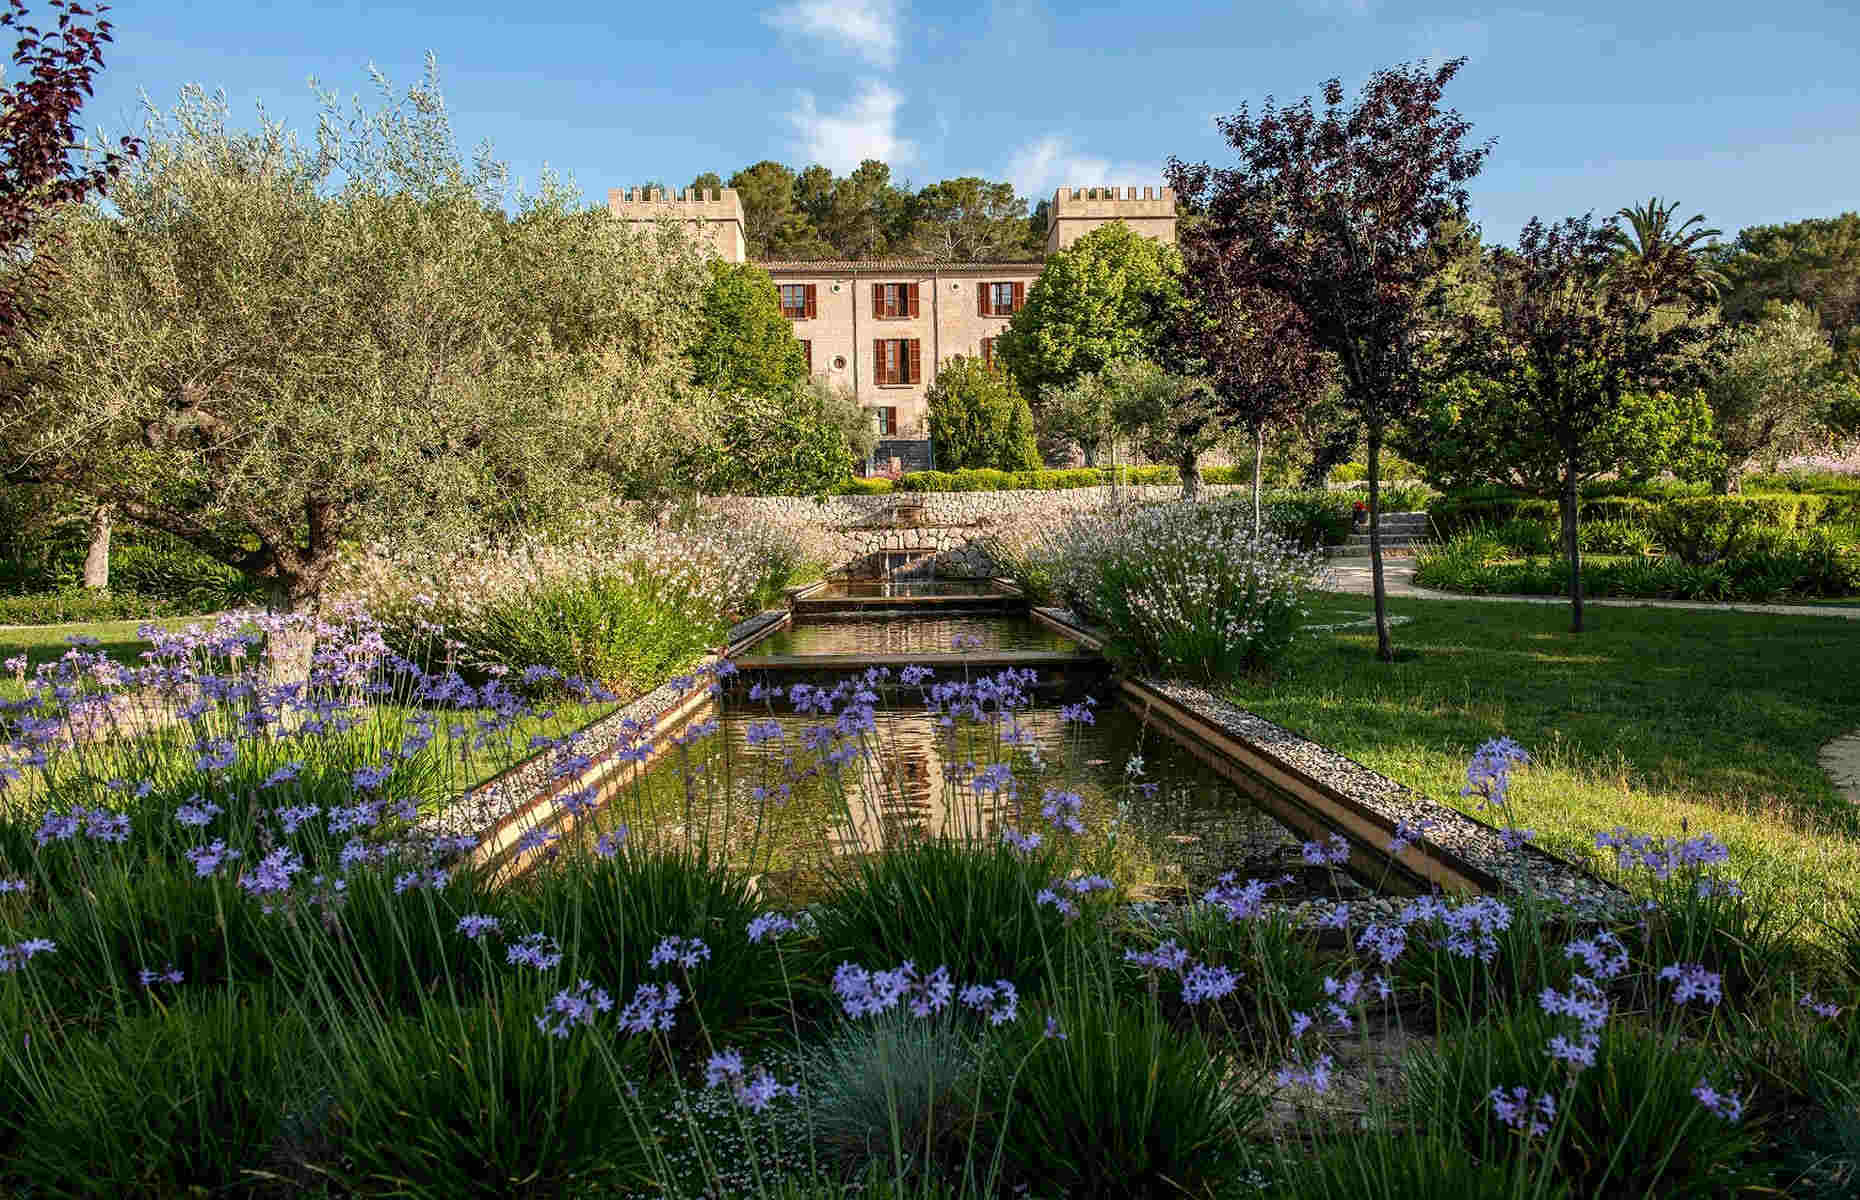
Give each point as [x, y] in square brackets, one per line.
[1343, 215]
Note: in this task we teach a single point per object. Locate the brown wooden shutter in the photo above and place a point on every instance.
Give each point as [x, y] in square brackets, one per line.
[1020, 295]
[981, 299]
[878, 300]
[878, 361]
[810, 309]
[913, 288]
[917, 364]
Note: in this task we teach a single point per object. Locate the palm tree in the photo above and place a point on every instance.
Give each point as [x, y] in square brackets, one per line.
[1662, 261]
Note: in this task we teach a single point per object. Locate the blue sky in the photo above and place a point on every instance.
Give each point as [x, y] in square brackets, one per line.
[1747, 112]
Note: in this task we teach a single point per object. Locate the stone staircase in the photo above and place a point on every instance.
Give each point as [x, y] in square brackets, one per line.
[1400, 531]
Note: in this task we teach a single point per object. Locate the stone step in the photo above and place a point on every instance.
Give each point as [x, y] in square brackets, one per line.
[1389, 537]
[1361, 549]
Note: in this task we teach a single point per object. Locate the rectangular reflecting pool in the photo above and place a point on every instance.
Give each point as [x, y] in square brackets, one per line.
[915, 635]
[881, 589]
[788, 780]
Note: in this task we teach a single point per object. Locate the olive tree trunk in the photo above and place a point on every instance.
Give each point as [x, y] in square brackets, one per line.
[97, 557]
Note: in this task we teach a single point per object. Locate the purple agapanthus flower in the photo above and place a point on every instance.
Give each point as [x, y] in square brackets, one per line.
[608, 844]
[209, 858]
[476, 925]
[1517, 1109]
[654, 1007]
[197, 813]
[770, 926]
[1332, 852]
[1021, 843]
[1315, 1076]
[151, 978]
[686, 952]
[1691, 981]
[999, 1002]
[537, 950]
[1727, 1106]
[568, 1009]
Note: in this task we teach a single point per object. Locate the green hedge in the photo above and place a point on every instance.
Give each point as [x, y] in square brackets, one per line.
[1808, 567]
[986, 480]
[80, 604]
[1706, 529]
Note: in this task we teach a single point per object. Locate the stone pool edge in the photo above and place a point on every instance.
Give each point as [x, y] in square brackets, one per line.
[495, 812]
[1453, 835]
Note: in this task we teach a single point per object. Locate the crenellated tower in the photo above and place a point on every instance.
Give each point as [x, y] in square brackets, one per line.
[1078, 211]
[718, 214]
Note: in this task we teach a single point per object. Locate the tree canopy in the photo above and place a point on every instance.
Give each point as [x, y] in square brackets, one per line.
[978, 419]
[1349, 218]
[744, 344]
[1776, 391]
[814, 214]
[1112, 294]
[37, 133]
[268, 365]
[1815, 263]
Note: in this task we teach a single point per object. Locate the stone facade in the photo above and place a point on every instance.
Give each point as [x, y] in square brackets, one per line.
[1078, 211]
[951, 528]
[943, 311]
[717, 216]
[853, 336]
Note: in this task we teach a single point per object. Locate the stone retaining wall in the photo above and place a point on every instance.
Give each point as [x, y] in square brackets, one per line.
[856, 533]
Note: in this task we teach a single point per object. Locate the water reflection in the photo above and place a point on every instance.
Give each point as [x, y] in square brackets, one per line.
[785, 794]
[918, 635]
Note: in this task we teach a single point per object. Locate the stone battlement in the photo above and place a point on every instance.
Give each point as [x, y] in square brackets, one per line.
[721, 211]
[1077, 211]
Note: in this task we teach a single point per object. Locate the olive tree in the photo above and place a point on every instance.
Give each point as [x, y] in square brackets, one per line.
[1776, 391]
[270, 350]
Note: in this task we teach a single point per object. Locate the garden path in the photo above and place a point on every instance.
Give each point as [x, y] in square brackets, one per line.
[1840, 758]
[1398, 580]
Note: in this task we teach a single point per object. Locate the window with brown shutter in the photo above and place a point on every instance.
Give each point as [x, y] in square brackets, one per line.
[797, 300]
[812, 311]
[894, 301]
[886, 419]
[897, 361]
[1000, 299]
[1020, 295]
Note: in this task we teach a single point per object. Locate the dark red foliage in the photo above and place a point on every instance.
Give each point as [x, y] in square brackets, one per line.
[1346, 217]
[38, 135]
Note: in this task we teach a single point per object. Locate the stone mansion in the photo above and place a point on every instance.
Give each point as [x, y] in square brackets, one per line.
[882, 328]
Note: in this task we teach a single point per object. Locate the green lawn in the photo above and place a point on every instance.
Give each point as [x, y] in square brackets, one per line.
[42, 643]
[1653, 717]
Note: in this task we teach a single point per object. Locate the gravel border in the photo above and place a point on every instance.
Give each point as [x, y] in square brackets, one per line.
[1527, 870]
[480, 811]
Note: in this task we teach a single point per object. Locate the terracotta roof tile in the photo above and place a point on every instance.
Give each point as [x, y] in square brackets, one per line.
[895, 265]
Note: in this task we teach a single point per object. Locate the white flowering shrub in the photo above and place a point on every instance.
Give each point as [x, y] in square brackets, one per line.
[608, 597]
[1185, 589]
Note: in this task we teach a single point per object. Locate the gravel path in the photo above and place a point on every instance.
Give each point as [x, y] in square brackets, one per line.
[1840, 758]
[1398, 580]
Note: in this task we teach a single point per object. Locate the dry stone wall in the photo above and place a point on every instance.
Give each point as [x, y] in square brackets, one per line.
[857, 535]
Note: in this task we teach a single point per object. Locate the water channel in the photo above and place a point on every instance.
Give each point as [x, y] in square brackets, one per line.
[789, 790]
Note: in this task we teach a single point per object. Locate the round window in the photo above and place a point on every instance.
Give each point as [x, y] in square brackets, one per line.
[839, 362]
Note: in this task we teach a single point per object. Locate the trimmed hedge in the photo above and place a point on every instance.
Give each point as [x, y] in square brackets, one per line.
[986, 480]
[80, 604]
[1706, 529]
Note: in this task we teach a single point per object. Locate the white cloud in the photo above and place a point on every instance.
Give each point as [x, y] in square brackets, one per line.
[1041, 167]
[867, 28]
[866, 128]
